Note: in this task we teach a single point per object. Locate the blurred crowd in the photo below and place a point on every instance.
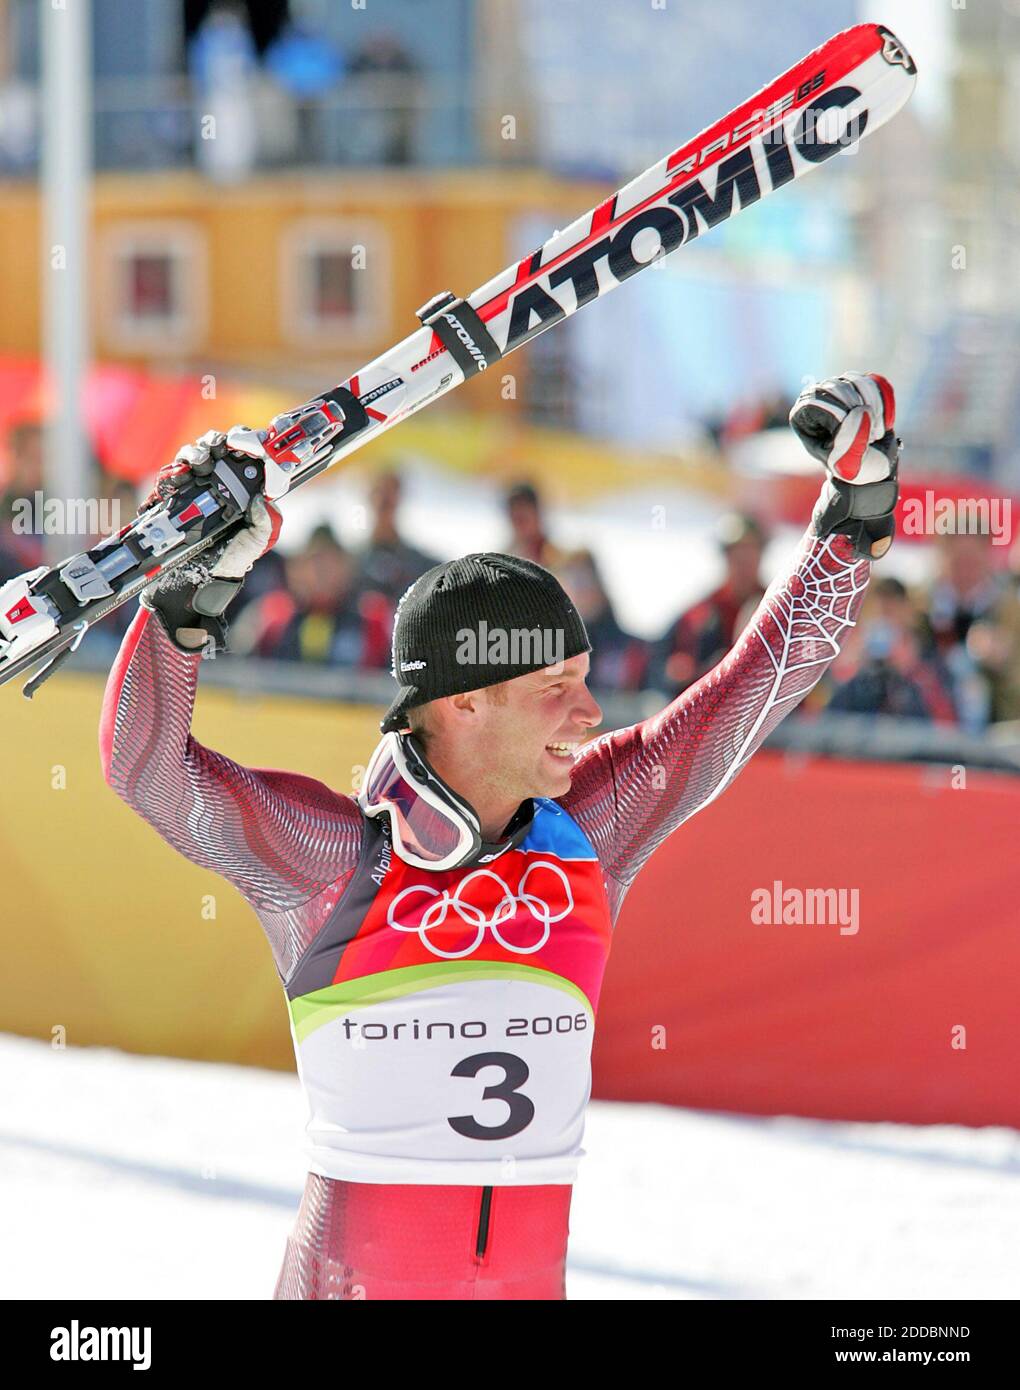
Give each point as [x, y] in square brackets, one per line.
[748, 417]
[294, 100]
[253, 89]
[947, 651]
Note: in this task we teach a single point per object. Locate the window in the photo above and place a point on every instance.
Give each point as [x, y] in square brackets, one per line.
[334, 282]
[150, 289]
[332, 285]
[155, 287]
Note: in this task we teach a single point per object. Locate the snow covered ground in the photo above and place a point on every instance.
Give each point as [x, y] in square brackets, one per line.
[128, 1177]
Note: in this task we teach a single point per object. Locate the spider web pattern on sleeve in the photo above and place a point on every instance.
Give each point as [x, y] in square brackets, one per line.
[633, 787]
[287, 842]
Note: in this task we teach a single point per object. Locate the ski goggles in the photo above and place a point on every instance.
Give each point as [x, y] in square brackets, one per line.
[432, 827]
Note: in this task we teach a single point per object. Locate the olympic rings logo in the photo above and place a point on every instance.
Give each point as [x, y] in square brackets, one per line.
[438, 910]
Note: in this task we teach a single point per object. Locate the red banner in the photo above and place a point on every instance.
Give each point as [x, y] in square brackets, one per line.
[929, 505]
[828, 939]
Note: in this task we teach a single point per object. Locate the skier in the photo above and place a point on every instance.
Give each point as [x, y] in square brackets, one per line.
[442, 935]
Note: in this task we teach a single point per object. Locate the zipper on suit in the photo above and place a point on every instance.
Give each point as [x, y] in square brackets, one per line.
[484, 1213]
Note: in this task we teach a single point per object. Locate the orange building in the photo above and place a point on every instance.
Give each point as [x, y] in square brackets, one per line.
[289, 279]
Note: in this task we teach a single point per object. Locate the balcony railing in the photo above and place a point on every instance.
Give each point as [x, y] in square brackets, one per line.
[386, 120]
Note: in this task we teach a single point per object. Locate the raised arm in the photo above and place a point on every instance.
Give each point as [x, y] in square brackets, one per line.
[279, 837]
[633, 787]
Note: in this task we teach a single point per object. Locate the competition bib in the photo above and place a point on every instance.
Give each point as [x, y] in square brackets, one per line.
[443, 1022]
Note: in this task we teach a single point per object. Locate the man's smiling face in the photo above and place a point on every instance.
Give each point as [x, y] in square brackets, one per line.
[533, 725]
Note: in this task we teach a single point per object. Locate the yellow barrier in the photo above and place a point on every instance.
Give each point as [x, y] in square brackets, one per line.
[110, 934]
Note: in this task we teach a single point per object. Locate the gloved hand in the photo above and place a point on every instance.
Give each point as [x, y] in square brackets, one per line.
[191, 599]
[847, 424]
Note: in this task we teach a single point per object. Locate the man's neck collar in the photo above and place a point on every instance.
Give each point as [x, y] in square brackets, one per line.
[514, 832]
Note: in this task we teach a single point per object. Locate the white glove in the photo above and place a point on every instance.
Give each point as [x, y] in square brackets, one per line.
[191, 599]
[239, 439]
[847, 424]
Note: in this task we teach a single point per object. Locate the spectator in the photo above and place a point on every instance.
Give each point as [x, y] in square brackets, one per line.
[747, 417]
[993, 645]
[318, 617]
[120, 499]
[702, 636]
[388, 75]
[967, 587]
[527, 528]
[305, 64]
[618, 659]
[894, 677]
[24, 473]
[306, 67]
[21, 538]
[775, 411]
[119, 507]
[966, 624]
[19, 124]
[388, 564]
[223, 63]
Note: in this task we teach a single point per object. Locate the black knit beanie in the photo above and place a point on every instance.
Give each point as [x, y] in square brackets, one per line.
[474, 622]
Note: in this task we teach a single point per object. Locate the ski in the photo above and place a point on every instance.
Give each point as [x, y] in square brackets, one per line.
[825, 104]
